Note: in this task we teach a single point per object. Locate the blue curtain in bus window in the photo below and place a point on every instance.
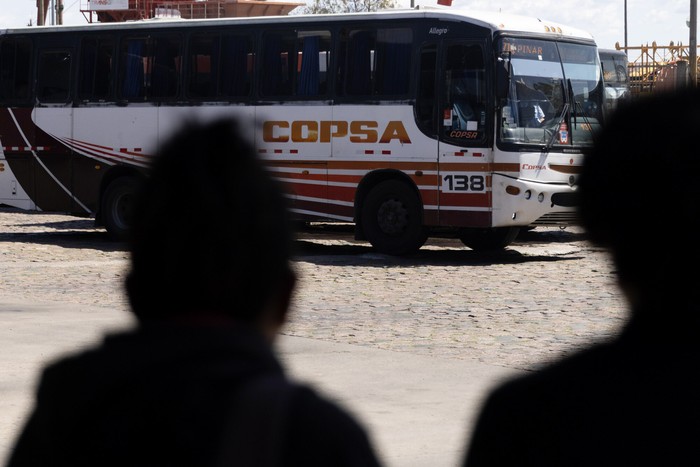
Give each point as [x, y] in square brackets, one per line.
[234, 66]
[395, 61]
[132, 87]
[308, 77]
[359, 75]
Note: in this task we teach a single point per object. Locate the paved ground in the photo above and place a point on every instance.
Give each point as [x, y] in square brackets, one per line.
[441, 314]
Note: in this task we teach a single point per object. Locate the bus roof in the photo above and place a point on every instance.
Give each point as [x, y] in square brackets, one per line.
[495, 21]
[612, 52]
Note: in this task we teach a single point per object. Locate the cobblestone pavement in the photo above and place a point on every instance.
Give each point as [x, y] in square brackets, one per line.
[544, 296]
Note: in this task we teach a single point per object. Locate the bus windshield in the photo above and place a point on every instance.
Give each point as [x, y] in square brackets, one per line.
[554, 95]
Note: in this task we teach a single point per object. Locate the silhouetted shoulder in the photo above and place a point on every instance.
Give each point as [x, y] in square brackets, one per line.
[601, 406]
[346, 443]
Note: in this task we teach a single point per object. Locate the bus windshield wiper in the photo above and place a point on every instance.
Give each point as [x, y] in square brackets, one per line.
[575, 107]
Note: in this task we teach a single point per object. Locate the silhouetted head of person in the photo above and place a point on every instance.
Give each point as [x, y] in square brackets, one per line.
[211, 234]
[640, 195]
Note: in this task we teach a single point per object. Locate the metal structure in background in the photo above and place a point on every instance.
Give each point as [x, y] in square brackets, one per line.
[663, 67]
[131, 10]
[693, 42]
[51, 8]
[654, 62]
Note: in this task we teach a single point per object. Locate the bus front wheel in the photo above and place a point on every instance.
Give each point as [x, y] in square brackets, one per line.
[488, 239]
[117, 206]
[391, 219]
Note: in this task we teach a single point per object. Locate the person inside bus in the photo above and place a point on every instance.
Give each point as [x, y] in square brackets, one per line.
[533, 106]
[196, 382]
[631, 398]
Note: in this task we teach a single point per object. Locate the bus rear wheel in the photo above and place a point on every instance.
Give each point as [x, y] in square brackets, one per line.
[391, 219]
[117, 206]
[488, 239]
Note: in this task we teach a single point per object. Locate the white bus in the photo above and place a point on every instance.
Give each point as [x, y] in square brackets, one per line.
[405, 123]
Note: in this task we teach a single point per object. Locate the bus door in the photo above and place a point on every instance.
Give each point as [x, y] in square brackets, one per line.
[463, 124]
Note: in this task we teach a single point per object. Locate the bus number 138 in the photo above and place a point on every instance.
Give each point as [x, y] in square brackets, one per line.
[454, 182]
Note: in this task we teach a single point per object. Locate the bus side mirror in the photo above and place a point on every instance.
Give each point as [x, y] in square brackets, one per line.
[502, 78]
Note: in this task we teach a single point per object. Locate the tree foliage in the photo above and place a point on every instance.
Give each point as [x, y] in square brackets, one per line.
[346, 6]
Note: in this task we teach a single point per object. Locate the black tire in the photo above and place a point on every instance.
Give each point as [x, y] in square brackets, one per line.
[392, 219]
[117, 207]
[489, 239]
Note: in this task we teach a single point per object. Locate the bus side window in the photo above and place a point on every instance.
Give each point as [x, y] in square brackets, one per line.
[150, 68]
[96, 69]
[359, 68]
[464, 93]
[377, 62]
[166, 63]
[15, 66]
[426, 110]
[53, 79]
[203, 62]
[295, 63]
[393, 61]
[314, 60]
[278, 63]
[132, 75]
[237, 63]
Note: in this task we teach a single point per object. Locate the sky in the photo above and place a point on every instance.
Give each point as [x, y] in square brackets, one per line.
[648, 21]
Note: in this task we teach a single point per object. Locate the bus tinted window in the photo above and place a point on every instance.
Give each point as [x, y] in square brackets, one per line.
[464, 94]
[15, 66]
[53, 80]
[96, 69]
[220, 66]
[377, 62]
[150, 68]
[295, 63]
[237, 65]
[426, 100]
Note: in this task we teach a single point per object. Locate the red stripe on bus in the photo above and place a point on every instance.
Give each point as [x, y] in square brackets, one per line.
[481, 200]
